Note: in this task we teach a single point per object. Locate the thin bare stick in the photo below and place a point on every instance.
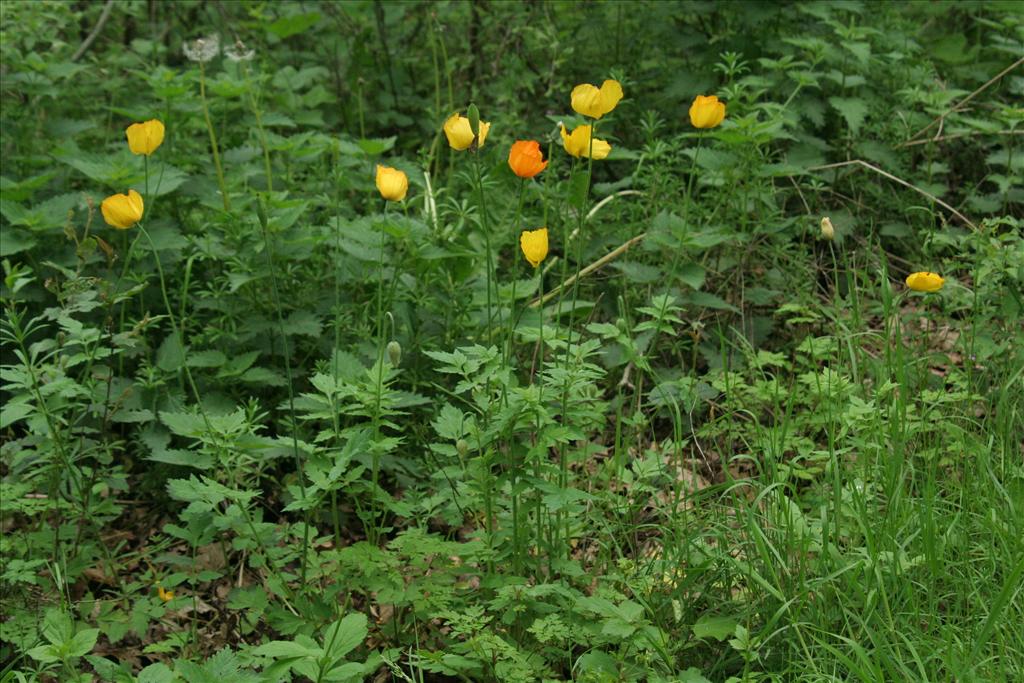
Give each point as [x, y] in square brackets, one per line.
[959, 105]
[95, 31]
[904, 183]
[610, 256]
[954, 136]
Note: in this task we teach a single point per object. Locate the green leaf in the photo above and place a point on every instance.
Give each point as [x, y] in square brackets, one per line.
[376, 146]
[692, 274]
[853, 110]
[709, 300]
[287, 649]
[345, 635]
[184, 424]
[717, 627]
[13, 412]
[14, 241]
[285, 27]
[206, 359]
[239, 364]
[83, 642]
[156, 673]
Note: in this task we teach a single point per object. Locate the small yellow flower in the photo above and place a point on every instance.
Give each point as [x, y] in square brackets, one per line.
[392, 183]
[460, 135]
[925, 282]
[578, 143]
[164, 595]
[596, 102]
[144, 138]
[535, 245]
[828, 231]
[122, 211]
[706, 112]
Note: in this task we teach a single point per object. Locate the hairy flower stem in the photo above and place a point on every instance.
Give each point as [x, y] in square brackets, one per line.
[176, 329]
[485, 224]
[299, 469]
[563, 463]
[512, 308]
[335, 423]
[254, 105]
[213, 140]
[372, 531]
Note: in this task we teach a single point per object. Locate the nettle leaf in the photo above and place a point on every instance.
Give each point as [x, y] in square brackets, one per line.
[692, 274]
[184, 424]
[206, 359]
[303, 323]
[239, 364]
[376, 146]
[853, 109]
[171, 355]
[717, 627]
[285, 27]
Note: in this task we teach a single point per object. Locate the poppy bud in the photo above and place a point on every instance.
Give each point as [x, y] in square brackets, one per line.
[394, 353]
[828, 231]
[462, 447]
[473, 114]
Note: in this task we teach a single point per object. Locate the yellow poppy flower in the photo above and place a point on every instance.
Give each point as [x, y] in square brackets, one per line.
[122, 211]
[925, 282]
[164, 595]
[392, 183]
[578, 143]
[535, 245]
[707, 112]
[596, 102]
[144, 138]
[460, 135]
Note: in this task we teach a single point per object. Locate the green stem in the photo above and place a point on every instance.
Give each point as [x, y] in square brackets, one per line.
[375, 473]
[563, 463]
[512, 308]
[291, 391]
[486, 227]
[213, 139]
[262, 132]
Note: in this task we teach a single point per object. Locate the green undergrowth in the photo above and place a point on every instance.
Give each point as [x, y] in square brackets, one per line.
[283, 430]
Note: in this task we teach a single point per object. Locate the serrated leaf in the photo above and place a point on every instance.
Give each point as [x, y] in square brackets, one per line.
[286, 649]
[853, 110]
[717, 627]
[285, 27]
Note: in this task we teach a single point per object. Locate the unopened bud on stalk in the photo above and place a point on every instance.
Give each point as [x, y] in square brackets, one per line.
[394, 353]
[828, 231]
[473, 114]
[462, 447]
[261, 212]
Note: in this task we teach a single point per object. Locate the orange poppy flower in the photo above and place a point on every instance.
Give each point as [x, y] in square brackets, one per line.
[525, 158]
